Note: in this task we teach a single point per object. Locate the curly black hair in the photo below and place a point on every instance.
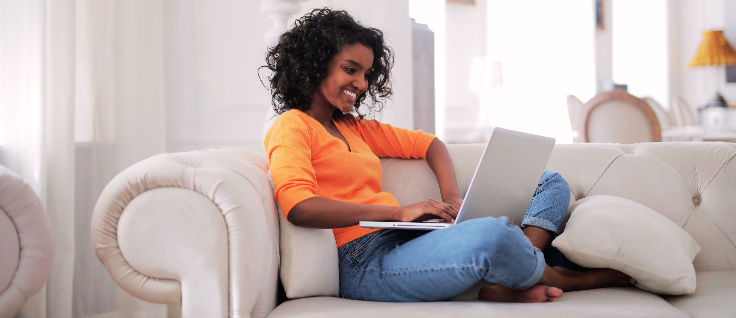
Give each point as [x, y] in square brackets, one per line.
[298, 63]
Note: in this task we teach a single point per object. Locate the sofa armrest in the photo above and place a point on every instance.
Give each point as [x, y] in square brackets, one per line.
[26, 243]
[198, 228]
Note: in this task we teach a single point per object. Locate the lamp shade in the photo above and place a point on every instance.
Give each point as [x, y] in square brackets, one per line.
[714, 50]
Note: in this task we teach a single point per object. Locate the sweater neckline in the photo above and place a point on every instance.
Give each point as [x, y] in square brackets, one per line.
[337, 125]
[324, 129]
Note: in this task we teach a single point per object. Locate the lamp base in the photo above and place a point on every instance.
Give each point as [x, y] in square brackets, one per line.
[718, 101]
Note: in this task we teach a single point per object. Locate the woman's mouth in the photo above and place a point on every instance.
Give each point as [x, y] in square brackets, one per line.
[351, 96]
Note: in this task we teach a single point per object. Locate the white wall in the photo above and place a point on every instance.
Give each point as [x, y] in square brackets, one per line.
[213, 94]
[214, 97]
[465, 53]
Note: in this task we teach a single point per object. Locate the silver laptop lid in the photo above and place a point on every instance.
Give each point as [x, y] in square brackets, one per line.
[507, 176]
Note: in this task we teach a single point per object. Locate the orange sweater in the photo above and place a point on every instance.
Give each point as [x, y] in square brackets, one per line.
[306, 161]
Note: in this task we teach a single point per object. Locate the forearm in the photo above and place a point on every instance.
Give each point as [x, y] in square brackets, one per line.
[439, 160]
[325, 213]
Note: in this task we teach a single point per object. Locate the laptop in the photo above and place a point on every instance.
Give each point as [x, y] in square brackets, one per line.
[503, 184]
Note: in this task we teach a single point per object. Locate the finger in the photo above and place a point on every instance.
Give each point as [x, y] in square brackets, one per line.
[439, 212]
[445, 207]
[449, 208]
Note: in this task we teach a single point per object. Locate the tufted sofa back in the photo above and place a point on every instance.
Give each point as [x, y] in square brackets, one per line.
[692, 184]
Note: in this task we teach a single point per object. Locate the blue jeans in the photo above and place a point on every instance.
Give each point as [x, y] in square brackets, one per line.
[405, 265]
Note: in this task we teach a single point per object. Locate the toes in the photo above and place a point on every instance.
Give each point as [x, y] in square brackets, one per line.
[553, 292]
[627, 281]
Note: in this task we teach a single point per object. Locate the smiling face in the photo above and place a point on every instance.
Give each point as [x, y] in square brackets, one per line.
[345, 79]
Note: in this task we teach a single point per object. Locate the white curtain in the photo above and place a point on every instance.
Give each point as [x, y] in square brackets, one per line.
[81, 97]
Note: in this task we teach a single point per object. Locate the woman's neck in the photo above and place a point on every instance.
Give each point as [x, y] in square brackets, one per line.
[321, 110]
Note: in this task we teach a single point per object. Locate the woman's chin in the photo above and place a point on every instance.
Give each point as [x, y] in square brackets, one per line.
[346, 109]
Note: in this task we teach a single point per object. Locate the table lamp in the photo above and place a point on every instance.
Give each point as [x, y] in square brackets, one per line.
[715, 51]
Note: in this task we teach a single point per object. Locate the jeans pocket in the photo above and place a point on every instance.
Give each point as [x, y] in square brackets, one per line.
[363, 245]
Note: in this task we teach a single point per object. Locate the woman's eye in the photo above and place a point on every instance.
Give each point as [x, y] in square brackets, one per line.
[350, 70]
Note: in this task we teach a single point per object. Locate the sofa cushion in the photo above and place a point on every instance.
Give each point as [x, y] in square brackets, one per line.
[713, 297]
[309, 265]
[605, 302]
[606, 231]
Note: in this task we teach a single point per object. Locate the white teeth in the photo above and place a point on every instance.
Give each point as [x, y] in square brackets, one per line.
[349, 93]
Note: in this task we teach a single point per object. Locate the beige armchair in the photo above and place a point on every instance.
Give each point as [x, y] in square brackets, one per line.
[619, 117]
[26, 246]
[662, 115]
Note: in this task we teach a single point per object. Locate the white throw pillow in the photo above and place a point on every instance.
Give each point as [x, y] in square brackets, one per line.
[309, 265]
[612, 232]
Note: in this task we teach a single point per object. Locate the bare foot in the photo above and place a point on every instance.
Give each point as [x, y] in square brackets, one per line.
[571, 280]
[534, 294]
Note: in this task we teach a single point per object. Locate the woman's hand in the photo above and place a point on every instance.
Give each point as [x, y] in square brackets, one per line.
[427, 210]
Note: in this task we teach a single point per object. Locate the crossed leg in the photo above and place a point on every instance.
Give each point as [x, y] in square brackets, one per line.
[555, 280]
[544, 216]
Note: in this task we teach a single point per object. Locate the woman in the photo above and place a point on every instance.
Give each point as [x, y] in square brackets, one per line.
[323, 156]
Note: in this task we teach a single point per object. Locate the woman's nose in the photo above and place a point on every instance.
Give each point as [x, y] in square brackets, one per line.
[361, 83]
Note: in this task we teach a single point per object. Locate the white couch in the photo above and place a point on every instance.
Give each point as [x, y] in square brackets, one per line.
[202, 229]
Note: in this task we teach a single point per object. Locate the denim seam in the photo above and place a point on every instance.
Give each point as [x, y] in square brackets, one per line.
[441, 268]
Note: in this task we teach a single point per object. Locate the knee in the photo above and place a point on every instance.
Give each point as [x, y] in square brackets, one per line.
[551, 176]
[495, 234]
[555, 179]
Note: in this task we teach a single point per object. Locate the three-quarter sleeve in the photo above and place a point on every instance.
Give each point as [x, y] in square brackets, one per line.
[389, 141]
[288, 147]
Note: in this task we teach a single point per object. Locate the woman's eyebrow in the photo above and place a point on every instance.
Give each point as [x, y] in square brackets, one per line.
[354, 63]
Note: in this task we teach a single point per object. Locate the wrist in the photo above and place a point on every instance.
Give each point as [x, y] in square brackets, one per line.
[396, 213]
[450, 196]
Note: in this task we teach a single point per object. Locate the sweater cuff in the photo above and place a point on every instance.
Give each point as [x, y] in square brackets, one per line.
[290, 198]
[422, 144]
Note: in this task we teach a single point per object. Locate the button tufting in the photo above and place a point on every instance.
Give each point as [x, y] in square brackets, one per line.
[696, 200]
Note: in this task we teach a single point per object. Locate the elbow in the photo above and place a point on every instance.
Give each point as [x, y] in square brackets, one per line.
[295, 216]
[305, 214]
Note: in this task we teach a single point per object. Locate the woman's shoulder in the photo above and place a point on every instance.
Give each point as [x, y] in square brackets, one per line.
[290, 122]
[292, 115]
[294, 118]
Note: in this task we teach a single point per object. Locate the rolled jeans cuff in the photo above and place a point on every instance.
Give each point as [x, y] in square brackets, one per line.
[540, 223]
[537, 275]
